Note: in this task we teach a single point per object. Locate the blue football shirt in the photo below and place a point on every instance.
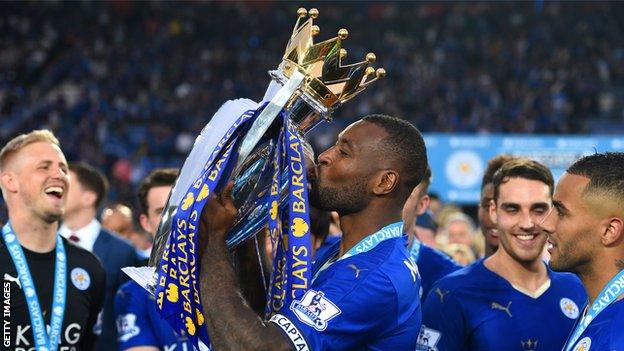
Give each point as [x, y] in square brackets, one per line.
[476, 309]
[327, 245]
[140, 324]
[432, 264]
[366, 301]
[605, 332]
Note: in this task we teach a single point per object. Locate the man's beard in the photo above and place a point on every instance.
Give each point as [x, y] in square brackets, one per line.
[51, 217]
[571, 258]
[567, 262]
[40, 209]
[344, 199]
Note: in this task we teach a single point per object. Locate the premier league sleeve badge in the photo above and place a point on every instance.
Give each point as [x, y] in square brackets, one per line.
[315, 310]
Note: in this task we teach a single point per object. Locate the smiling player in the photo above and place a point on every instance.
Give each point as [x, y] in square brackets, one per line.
[55, 289]
[511, 300]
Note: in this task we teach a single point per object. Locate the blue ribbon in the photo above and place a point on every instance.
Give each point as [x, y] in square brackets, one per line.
[292, 263]
[43, 341]
[177, 292]
[609, 294]
[277, 284]
[273, 199]
[299, 257]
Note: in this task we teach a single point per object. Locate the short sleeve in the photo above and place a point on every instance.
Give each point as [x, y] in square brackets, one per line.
[444, 325]
[131, 315]
[332, 317]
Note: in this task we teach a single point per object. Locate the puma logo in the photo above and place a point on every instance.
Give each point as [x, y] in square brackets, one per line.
[15, 280]
[441, 294]
[497, 306]
[357, 270]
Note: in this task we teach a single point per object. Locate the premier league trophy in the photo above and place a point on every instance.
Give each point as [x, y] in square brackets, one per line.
[260, 146]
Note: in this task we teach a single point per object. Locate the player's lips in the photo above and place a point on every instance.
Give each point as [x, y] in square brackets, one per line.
[56, 191]
[527, 239]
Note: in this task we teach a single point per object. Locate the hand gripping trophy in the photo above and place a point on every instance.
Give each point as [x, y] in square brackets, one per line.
[261, 147]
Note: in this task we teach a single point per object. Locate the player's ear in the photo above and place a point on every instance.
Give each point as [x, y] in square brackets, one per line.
[492, 212]
[8, 181]
[88, 198]
[385, 182]
[423, 204]
[613, 232]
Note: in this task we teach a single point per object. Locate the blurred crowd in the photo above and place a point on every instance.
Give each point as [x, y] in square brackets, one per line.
[127, 86]
[453, 232]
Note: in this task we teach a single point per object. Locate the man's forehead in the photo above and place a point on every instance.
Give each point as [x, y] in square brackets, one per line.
[349, 129]
[362, 132]
[40, 152]
[521, 190]
[156, 190]
[157, 199]
[570, 186]
[488, 191]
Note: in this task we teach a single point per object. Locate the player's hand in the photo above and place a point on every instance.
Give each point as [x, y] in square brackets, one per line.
[218, 216]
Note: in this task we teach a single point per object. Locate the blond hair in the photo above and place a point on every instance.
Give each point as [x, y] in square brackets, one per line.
[460, 253]
[22, 140]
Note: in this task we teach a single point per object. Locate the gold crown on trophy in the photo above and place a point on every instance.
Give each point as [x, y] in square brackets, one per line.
[327, 80]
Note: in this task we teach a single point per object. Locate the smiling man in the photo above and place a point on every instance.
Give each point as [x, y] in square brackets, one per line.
[589, 241]
[488, 228]
[51, 282]
[511, 300]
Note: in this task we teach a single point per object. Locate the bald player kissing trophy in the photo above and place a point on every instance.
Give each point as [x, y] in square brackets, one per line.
[260, 146]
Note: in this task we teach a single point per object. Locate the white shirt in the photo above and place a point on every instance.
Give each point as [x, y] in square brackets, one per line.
[87, 234]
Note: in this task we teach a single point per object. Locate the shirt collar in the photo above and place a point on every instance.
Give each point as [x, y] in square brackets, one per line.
[87, 234]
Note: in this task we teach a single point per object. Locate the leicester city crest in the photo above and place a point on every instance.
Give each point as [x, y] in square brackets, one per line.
[569, 308]
[583, 345]
[80, 278]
